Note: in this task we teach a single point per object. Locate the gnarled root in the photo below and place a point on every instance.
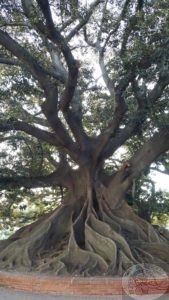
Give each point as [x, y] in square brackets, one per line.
[91, 240]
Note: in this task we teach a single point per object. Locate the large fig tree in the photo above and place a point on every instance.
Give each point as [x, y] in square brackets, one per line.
[80, 80]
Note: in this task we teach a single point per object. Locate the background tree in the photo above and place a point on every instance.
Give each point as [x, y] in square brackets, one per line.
[63, 123]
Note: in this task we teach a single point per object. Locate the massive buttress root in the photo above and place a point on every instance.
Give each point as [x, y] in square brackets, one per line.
[85, 237]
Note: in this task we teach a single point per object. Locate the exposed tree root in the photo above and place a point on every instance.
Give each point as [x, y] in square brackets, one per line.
[85, 239]
[23, 252]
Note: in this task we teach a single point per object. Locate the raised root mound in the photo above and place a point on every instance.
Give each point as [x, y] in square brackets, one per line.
[85, 242]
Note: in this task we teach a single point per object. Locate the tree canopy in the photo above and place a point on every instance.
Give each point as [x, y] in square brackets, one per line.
[80, 82]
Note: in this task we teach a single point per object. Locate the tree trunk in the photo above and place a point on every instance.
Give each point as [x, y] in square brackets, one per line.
[93, 232]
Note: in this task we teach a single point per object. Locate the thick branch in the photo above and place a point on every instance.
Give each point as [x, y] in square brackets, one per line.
[71, 85]
[27, 59]
[115, 92]
[157, 145]
[73, 117]
[144, 103]
[44, 135]
[56, 178]
[120, 110]
[15, 62]
[54, 34]
[50, 105]
[125, 134]
[108, 81]
[142, 159]
[110, 131]
[11, 124]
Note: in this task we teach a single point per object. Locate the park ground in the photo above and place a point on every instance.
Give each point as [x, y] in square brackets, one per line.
[10, 294]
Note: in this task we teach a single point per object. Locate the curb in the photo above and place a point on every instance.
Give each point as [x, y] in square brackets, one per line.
[102, 286]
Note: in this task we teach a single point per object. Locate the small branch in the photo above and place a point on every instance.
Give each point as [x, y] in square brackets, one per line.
[117, 24]
[13, 24]
[8, 61]
[99, 35]
[140, 4]
[140, 94]
[14, 137]
[84, 20]
[157, 91]
[130, 27]
[66, 24]
[26, 116]
[126, 35]
[90, 43]
[166, 171]
[108, 81]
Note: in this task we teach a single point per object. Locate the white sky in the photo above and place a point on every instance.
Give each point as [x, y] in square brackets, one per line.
[161, 181]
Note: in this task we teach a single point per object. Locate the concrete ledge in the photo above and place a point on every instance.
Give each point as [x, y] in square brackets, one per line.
[102, 286]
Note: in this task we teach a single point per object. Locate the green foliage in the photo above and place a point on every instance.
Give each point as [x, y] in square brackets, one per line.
[161, 219]
[19, 207]
[148, 203]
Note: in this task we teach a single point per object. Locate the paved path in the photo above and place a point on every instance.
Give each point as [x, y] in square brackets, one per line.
[9, 294]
